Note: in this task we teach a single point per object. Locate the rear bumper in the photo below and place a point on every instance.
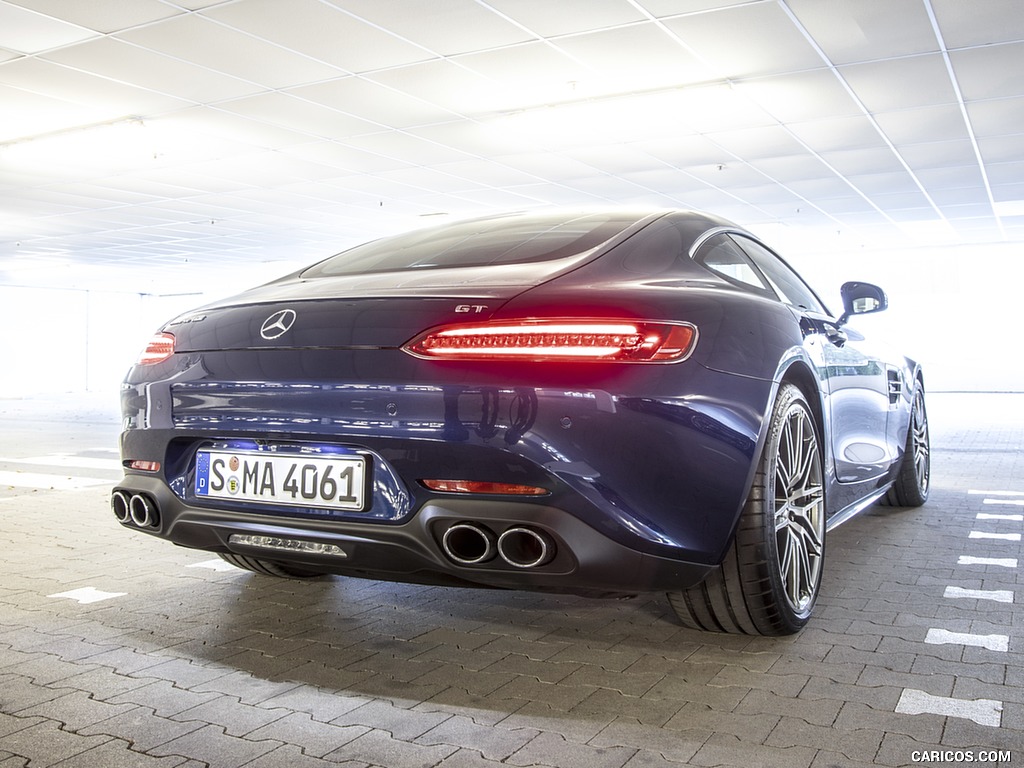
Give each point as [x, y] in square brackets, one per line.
[582, 560]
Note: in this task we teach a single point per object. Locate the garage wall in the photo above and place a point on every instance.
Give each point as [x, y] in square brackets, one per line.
[956, 309]
[75, 340]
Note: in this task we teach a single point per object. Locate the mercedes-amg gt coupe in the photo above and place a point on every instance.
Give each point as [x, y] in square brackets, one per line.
[605, 403]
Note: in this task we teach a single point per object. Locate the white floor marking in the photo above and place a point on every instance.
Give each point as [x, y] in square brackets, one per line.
[66, 460]
[999, 595]
[991, 642]
[40, 480]
[88, 595]
[996, 493]
[1010, 502]
[1000, 536]
[982, 711]
[1002, 562]
[214, 565]
[990, 516]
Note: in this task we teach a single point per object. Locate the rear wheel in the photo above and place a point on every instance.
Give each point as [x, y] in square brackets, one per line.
[914, 478]
[769, 580]
[268, 567]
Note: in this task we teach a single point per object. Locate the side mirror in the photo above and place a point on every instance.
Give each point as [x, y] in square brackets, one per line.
[861, 299]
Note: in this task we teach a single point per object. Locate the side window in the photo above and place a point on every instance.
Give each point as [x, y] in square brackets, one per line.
[784, 280]
[725, 258]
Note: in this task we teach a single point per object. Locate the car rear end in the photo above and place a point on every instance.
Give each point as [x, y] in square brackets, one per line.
[417, 425]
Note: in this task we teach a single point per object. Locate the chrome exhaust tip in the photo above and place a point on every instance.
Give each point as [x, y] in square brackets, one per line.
[142, 511]
[468, 543]
[119, 505]
[525, 548]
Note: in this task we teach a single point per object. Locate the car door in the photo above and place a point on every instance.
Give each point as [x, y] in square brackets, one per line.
[856, 379]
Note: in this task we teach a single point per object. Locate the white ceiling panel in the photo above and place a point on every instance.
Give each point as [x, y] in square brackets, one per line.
[893, 84]
[979, 23]
[464, 26]
[990, 72]
[864, 31]
[220, 48]
[383, 106]
[262, 130]
[747, 41]
[318, 30]
[567, 17]
[105, 16]
[946, 123]
[125, 63]
[27, 32]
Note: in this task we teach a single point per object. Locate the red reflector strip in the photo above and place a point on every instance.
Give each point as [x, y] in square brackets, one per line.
[593, 340]
[145, 466]
[479, 486]
[159, 348]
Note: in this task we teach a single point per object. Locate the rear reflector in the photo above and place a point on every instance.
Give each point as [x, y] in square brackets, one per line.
[576, 340]
[159, 348]
[144, 466]
[478, 486]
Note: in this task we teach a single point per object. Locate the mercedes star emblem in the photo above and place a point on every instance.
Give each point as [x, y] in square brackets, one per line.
[277, 324]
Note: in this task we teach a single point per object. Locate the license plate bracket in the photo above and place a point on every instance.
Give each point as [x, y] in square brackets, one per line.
[332, 481]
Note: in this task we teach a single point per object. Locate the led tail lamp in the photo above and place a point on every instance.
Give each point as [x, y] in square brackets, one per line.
[576, 340]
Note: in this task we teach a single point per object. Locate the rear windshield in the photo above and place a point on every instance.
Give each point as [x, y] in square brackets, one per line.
[520, 239]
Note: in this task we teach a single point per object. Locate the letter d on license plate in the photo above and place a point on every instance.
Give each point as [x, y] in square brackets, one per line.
[330, 482]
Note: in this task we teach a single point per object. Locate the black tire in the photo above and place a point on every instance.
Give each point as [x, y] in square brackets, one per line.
[914, 478]
[769, 580]
[267, 567]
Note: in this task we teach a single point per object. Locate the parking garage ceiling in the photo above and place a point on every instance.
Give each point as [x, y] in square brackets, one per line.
[153, 137]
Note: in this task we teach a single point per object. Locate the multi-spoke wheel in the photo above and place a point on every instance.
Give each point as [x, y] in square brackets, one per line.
[769, 580]
[911, 486]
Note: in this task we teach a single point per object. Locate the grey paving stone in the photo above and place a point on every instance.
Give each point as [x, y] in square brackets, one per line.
[141, 727]
[494, 743]
[724, 749]
[379, 748]
[403, 724]
[211, 745]
[672, 746]
[553, 749]
[77, 710]
[118, 754]
[313, 737]
[46, 743]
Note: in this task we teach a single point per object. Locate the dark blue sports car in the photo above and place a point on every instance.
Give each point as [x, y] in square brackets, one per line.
[603, 403]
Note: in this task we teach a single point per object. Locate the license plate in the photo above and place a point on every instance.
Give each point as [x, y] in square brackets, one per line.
[329, 482]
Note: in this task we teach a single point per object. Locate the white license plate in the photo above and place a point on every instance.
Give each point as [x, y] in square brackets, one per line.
[330, 482]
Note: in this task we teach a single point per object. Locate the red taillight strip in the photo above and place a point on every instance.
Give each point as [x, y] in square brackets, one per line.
[480, 486]
[558, 339]
[159, 348]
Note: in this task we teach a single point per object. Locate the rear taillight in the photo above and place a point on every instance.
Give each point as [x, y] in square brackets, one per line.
[159, 348]
[479, 486]
[577, 340]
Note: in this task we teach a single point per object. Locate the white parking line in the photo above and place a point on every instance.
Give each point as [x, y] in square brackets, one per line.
[1010, 502]
[999, 536]
[88, 595]
[54, 482]
[999, 595]
[66, 460]
[991, 642]
[982, 711]
[214, 565]
[996, 493]
[990, 516]
[1002, 562]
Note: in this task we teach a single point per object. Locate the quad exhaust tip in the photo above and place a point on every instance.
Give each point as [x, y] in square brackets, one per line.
[469, 543]
[525, 547]
[134, 509]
